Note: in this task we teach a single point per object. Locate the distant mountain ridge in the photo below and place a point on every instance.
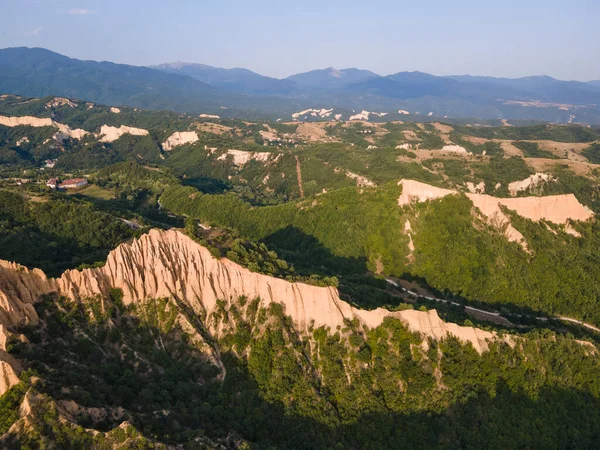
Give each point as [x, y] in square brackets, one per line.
[239, 92]
[40, 72]
[332, 78]
[236, 79]
[544, 86]
[37, 72]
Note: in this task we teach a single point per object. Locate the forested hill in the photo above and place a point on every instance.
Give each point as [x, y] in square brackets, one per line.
[114, 369]
[228, 284]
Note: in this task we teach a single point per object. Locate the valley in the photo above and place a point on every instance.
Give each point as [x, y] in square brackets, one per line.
[212, 282]
[299, 225]
[226, 351]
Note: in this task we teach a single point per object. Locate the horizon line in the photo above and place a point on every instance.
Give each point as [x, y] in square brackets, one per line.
[154, 67]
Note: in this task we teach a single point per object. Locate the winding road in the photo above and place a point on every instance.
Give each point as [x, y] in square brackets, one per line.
[299, 174]
[493, 313]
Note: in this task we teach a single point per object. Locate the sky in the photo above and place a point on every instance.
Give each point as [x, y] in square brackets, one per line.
[280, 37]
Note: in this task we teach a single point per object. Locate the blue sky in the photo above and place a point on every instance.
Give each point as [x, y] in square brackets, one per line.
[279, 37]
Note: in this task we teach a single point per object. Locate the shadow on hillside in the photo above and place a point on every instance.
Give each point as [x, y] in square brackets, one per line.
[50, 252]
[522, 316]
[359, 287]
[557, 418]
[236, 410]
[309, 255]
[207, 185]
[100, 371]
[128, 209]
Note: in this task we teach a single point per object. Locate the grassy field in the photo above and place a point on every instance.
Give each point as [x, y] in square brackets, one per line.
[94, 191]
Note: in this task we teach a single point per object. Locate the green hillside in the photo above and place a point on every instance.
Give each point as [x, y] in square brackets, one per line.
[311, 203]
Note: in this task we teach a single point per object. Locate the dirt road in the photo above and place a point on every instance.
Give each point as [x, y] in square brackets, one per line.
[493, 314]
[299, 173]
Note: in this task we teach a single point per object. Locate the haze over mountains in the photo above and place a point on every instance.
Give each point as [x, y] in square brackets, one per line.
[595, 83]
[238, 92]
[332, 78]
[237, 80]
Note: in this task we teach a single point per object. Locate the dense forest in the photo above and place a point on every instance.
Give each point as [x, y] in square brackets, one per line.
[316, 203]
[559, 133]
[453, 252]
[272, 388]
[56, 234]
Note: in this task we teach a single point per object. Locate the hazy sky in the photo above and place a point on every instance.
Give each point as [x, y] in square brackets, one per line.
[281, 37]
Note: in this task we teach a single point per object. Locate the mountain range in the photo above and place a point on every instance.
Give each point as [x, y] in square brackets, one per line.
[238, 92]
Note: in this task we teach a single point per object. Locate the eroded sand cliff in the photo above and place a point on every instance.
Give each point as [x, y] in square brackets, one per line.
[64, 131]
[554, 208]
[20, 288]
[180, 138]
[107, 133]
[170, 264]
[111, 134]
[558, 209]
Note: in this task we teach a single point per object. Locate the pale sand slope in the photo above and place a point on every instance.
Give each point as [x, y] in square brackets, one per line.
[31, 121]
[170, 264]
[19, 289]
[531, 182]
[420, 192]
[60, 101]
[577, 167]
[242, 157]
[107, 132]
[314, 131]
[453, 148]
[559, 209]
[360, 180]
[180, 138]
[111, 134]
[554, 208]
[363, 115]
[476, 188]
[313, 112]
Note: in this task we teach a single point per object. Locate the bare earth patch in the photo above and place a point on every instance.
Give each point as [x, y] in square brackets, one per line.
[423, 155]
[509, 148]
[565, 150]
[506, 144]
[442, 127]
[474, 139]
[577, 167]
[214, 128]
[410, 135]
[314, 131]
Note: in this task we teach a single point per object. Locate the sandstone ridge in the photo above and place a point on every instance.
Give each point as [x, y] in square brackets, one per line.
[180, 138]
[170, 264]
[558, 209]
[64, 131]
